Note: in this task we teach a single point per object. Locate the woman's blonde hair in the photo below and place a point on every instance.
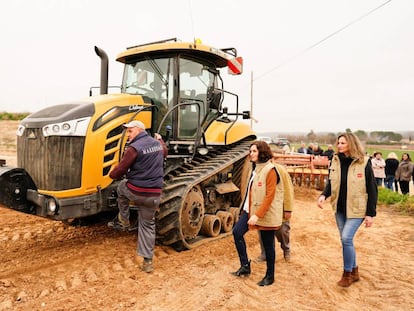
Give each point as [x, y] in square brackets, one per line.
[356, 150]
[392, 155]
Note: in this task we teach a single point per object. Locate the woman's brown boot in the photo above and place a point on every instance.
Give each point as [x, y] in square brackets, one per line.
[346, 279]
[355, 274]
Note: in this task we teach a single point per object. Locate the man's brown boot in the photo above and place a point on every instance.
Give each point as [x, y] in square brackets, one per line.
[346, 279]
[355, 274]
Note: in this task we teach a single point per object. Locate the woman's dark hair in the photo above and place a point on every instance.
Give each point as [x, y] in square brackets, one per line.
[408, 156]
[265, 154]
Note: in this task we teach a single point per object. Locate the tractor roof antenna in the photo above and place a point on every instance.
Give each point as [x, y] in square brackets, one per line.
[196, 41]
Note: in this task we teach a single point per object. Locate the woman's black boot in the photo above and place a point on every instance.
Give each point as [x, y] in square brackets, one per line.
[243, 271]
[267, 280]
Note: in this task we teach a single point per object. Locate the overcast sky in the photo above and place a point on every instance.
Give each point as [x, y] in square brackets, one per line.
[360, 78]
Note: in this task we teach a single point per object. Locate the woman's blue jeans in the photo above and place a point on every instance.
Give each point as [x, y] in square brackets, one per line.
[347, 228]
[389, 182]
[268, 239]
[239, 231]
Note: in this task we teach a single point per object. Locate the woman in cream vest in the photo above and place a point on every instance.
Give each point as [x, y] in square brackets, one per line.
[262, 209]
[353, 191]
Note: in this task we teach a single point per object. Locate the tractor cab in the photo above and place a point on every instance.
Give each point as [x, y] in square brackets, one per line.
[182, 81]
[173, 81]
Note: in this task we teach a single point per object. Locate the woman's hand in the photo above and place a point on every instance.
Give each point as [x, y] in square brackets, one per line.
[321, 199]
[252, 220]
[368, 221]
[287, 215]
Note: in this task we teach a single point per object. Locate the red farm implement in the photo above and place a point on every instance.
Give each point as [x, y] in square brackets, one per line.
[305, 169]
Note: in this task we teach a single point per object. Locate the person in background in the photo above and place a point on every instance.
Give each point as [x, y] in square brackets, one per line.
[378, 166]
[303, 148]
[286, 149]
[143, 165]
[404, 173]
[329, 152]
[310, 148]
[282, 236]
[391, 165]
[317, 150]
[354, 193]
[262, 209]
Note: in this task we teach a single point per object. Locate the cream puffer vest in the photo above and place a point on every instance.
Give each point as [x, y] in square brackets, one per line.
[274, 215]
[357, 197]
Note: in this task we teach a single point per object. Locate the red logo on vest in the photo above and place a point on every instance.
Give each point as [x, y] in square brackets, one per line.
[259, 184]
[359, 175]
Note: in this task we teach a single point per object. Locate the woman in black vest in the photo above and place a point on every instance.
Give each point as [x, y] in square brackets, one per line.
[353, 191]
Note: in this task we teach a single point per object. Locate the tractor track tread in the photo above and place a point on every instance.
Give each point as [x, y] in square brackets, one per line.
[180, 181]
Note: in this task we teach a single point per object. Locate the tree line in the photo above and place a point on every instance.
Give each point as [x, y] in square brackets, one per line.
[375, 137]
[13, 116]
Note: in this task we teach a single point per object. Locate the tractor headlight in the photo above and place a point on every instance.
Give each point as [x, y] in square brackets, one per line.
[20, 130]
[77, 127]
[51, 206]
[66, 126]
[202, 151]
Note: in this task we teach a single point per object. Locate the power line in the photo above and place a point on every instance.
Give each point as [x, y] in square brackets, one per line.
[191, 18]
[322, 40]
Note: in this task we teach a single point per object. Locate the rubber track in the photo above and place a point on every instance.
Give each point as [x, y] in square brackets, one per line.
[180, 181]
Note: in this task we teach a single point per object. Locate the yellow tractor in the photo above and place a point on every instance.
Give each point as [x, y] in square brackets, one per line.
[65, 152]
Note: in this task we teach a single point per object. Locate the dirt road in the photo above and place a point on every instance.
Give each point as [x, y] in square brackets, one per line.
[46, 265]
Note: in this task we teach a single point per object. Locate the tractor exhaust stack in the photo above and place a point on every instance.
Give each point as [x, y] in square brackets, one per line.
[104, 70]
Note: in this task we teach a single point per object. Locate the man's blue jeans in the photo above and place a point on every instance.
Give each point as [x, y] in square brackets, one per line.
[347, 228]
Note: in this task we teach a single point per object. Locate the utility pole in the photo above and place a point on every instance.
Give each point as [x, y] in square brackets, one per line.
[251, 99]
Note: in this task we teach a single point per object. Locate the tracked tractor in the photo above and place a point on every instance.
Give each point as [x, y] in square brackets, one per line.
[65, 152]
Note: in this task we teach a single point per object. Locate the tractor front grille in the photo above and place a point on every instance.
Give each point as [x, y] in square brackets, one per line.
[54, 162]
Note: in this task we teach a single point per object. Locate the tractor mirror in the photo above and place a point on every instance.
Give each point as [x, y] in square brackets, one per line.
[213, 98]
[246, 114]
